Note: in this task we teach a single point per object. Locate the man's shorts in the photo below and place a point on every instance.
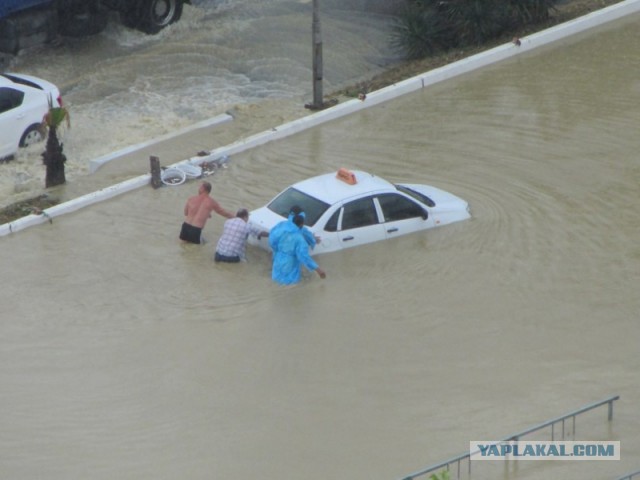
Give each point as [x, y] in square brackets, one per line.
[190, 234]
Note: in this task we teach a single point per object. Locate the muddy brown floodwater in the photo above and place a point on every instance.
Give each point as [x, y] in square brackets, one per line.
[127, 355]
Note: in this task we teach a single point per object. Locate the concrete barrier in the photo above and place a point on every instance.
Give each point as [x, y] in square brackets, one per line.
[75, 204]
[96, 163]
[483, 59]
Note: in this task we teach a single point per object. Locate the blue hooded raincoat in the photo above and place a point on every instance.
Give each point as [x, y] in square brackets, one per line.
[291, 252]
[288, 226]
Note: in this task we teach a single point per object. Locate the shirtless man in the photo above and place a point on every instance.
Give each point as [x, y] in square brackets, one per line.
[197, 211]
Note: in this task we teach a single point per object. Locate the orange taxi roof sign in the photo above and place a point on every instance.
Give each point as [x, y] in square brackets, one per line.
[346, 176]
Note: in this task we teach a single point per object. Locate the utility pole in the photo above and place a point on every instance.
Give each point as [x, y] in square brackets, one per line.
[317, 59]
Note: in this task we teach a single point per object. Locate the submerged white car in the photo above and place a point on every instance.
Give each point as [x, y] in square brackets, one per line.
[24, 101]
[349, 208]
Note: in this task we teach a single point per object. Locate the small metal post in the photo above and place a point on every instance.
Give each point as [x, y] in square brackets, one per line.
[156, 180]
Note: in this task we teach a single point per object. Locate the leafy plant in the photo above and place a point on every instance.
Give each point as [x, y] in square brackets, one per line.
[420, 31]
[528, 11]
[56, 116]
[425, 27]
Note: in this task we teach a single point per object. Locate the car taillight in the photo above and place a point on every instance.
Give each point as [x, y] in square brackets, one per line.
[59, 100]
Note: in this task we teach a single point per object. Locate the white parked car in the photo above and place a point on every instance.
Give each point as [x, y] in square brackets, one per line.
[351, 208]
[24, 101]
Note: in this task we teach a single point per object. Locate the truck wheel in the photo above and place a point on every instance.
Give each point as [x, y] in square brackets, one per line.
[33, 134]
[90, 20]
[157, 14]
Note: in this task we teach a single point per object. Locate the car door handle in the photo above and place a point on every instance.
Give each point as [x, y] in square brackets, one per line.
[391, 230]
[346, 239]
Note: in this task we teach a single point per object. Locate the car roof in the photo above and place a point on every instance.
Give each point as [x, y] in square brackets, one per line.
[331, 189]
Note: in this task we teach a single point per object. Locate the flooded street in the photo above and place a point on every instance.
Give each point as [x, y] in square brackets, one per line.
[124, 354]
[250, 58]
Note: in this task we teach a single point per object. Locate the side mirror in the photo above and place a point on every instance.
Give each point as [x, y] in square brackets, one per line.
[425, 214]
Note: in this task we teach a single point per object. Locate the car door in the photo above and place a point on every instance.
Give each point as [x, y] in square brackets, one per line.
[359, 223]
[10, 120]
[402, 215]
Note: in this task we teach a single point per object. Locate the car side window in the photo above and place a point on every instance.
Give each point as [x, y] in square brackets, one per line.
[10, 99]
[396, 207]
[332, 224]
[359, 213]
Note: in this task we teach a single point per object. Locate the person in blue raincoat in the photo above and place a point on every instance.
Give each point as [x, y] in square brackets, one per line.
[292, 251]
[288, 226]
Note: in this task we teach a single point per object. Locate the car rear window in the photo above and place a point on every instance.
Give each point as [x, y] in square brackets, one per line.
[10, 99]
[21, 81]
[312, 207]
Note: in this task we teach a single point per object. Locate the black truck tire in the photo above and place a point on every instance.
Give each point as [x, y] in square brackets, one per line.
[154, 15]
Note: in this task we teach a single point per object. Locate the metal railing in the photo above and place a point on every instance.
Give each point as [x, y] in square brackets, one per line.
[447, 464]
[629, 476]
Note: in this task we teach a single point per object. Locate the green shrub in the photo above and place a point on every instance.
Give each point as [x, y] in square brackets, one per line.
[425, 27]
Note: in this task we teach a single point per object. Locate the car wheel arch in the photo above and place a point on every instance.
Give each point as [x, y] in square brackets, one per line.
[34, 133]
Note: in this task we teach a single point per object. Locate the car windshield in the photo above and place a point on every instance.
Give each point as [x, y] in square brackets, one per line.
[312, 207]
[418, 196]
